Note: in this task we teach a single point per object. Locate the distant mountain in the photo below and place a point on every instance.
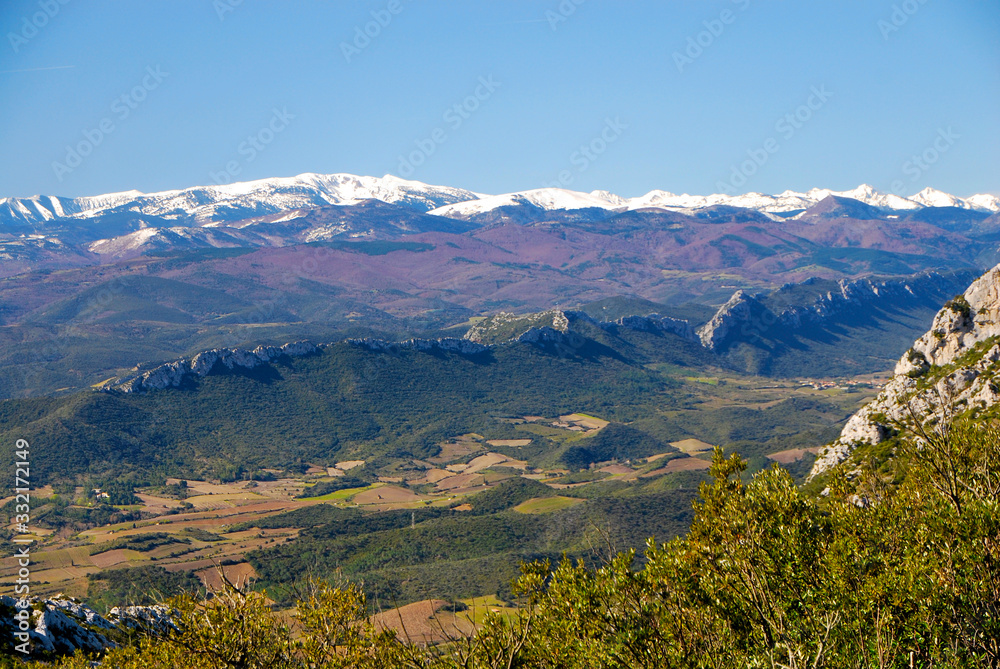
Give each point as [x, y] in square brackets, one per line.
[177, 238]
[366, 220]
[827, 328]
[228, 202]
[90, 285]
[834, 206]
[931, 197]
[784, 204]
[203, 204]
[312, 207]
[540, 198]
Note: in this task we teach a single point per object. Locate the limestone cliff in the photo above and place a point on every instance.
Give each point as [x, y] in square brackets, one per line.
[956, 364]
[61, 626]
[549, 325]
[737, 312]
[750, 318]
[173, 374]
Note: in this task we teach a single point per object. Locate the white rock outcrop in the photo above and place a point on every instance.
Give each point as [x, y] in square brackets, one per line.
[738, 310]
[61, 626]
[450, 344]
[173, 374]
[157, 618]
[920, 386]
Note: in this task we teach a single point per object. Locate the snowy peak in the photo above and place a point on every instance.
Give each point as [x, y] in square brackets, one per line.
[201, 205]
[931, 197]
[542, 198]
[984, 202]
[786, 203]
[658, 199]
[869, 195]
[609, 196]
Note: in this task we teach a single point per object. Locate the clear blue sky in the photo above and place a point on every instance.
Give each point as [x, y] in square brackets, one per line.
[687, 123]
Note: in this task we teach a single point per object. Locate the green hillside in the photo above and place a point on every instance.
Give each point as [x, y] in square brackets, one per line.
[351, 401]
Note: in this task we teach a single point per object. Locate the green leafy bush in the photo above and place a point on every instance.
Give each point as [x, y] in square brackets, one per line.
[959, 305]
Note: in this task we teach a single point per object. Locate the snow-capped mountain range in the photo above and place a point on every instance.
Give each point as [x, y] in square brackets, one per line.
[786, 202]
[202, 205]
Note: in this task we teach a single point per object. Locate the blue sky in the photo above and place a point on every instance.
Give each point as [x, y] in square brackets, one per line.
[622, 96]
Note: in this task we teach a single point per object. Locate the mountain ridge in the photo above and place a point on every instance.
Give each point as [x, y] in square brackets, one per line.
[738, 318]
[202, 204]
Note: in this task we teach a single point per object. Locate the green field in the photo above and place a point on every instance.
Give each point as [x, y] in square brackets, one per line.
[546, 504]
[345, 494]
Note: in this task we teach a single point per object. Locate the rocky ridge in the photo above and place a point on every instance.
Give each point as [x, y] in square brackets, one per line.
[173, 374]
[220, 202]
[553, 326]
[747, 314]
[450, 344]
[556, 324]
[743, 315]
[955, 366]
[550, 326]
[60, 626]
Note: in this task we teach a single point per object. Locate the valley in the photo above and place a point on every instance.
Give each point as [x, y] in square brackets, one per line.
[500, 335]
[418, 399]
[197, 526]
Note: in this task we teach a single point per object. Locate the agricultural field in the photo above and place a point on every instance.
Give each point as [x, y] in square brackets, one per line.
[576, 468]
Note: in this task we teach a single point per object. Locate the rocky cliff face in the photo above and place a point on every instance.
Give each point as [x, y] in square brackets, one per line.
[60, 626]
[173, 374]
[450, 344]
[554, 324]
[731, 317]
[956, 364]
[748, 318]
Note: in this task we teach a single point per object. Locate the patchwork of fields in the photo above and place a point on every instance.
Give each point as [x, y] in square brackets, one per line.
[240, 526]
